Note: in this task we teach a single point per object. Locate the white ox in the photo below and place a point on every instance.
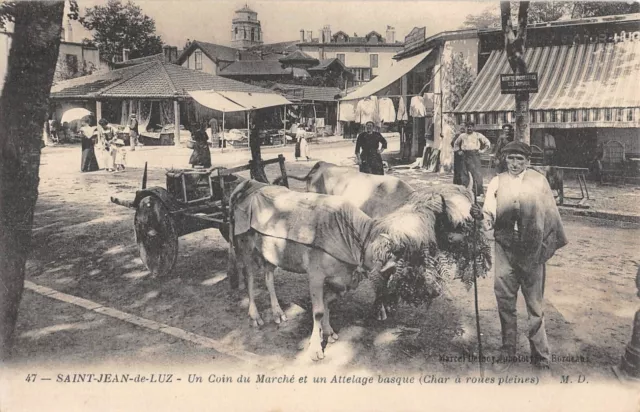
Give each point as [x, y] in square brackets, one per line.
[394, 202]
[323, 236]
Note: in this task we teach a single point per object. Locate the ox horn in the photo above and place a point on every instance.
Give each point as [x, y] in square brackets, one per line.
[470, 185]
[389, 265]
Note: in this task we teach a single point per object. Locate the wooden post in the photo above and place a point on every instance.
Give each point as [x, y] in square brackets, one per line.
[284, 125]
[176, 121]
[98, 110]
[223, 141]
[283, 171]
[248, 128]
[315, 128]
[403, 138]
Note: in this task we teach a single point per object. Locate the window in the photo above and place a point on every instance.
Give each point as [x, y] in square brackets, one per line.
[340, 56]
[362, 74]
[245, 33]
[373, 60]
[72, 63]
[607, 115]
[198, 57]
[253, 34]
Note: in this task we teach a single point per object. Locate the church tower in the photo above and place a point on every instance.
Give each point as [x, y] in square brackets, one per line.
[245, 29]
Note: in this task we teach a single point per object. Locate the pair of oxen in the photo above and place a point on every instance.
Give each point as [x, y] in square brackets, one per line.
[364, 223]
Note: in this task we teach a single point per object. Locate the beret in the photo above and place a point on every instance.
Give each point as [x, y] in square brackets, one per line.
[517, 147]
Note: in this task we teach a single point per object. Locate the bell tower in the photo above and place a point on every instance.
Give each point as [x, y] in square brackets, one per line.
[246, 31]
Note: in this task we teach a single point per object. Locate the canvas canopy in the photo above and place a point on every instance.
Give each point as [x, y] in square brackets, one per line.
[387, 77]
[237, 101]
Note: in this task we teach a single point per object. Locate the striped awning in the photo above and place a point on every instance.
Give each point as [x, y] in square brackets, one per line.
[587, 83]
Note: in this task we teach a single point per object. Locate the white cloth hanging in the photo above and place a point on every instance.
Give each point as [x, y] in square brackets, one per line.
[402, 111]
[144, 115]
[367, 110]
[386, 110]
[417, 108]
[347, 111]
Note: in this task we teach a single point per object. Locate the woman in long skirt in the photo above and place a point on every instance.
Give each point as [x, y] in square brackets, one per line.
[89, 162]
[299, 136]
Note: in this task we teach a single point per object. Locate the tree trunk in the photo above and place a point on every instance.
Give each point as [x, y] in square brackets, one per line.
[257, 169]
[514, 44]
[23, 105]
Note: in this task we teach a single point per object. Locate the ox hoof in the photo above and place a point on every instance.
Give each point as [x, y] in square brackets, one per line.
[316, 354]
[332, 338]
[382, 314]
[280, 317]
[257, 322]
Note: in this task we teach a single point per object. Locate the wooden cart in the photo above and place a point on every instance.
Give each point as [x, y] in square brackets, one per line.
[194, 199]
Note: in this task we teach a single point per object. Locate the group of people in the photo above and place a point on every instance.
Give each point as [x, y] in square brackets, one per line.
[110, 146]
[520, 208]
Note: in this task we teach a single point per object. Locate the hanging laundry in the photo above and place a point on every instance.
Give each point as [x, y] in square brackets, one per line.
[417, 107]
[402, 111]
[367, 110]
[347, 111]
[429, 101]
[386, 110]
[319, 121]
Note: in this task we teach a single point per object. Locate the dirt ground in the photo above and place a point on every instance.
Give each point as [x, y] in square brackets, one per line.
[84, 246]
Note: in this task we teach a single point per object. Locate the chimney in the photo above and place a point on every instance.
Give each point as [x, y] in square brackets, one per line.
[166, 50]
[302, 38]
[326, 34]
[391, 35]
[238, 55]
[174, 53]
[309, 36]
[125, 55]
[69, 32]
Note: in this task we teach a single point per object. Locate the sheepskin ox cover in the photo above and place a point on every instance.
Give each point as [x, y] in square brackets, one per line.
[329, 223]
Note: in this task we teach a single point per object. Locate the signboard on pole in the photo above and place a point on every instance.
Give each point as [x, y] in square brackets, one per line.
[519, 83]
[415, 36]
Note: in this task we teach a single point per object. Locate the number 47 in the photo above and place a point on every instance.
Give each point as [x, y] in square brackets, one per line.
[31, 377]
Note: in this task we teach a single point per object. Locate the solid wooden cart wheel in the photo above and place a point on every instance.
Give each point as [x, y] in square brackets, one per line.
[156, 236]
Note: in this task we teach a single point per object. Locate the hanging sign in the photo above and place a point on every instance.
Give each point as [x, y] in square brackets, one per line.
[518, 83]
[415, 36]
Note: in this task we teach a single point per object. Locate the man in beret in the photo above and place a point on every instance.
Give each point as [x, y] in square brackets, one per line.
[520, 207]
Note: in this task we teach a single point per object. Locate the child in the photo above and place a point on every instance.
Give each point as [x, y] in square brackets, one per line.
[121, 155]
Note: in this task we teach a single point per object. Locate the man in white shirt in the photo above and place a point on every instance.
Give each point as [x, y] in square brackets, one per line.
[520, 207]
[470, 145]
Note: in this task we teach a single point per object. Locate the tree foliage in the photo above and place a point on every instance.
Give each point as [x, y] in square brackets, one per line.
[117, 26]
[459, 78]
[543, 11]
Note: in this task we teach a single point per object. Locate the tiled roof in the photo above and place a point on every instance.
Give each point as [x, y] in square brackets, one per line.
[273, 51]
[260, 67]
[139, 60]
[215, 52]
[149, 80]
[327, 63]
[298, 92]
[298, 56]
[87, 86]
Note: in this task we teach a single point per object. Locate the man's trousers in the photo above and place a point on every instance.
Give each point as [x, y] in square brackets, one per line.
[509, 277]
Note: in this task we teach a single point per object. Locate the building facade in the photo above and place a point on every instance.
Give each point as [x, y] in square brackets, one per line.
[365, 56]
[588, 92]
[74, 59]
